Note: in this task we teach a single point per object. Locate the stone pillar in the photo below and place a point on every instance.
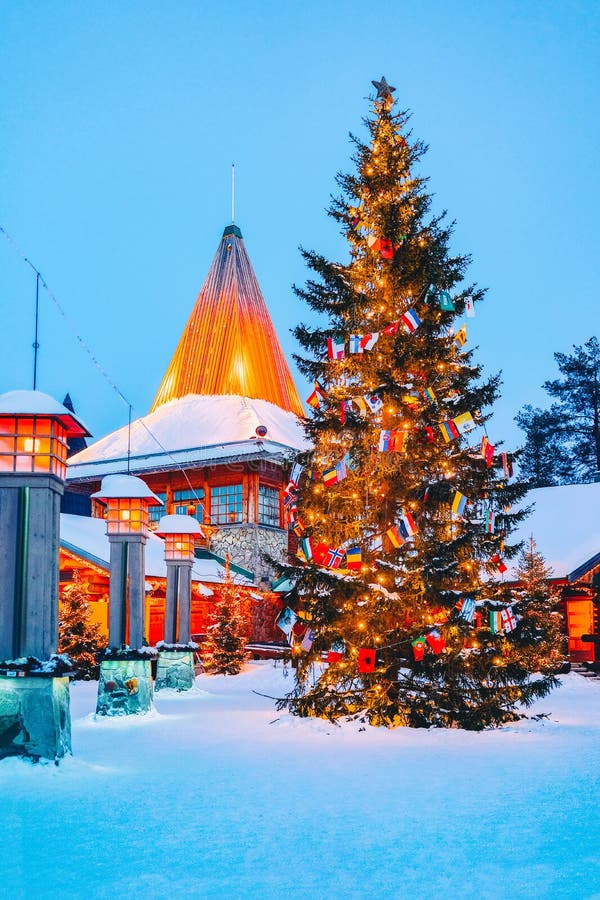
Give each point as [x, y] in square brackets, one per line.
[175, 668]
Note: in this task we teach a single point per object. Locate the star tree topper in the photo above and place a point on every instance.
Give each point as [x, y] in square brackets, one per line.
[384, 89]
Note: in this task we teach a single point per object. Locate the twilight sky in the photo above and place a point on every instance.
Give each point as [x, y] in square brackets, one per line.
[119, 123]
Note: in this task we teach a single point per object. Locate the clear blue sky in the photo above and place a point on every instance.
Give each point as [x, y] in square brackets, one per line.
[119, 121]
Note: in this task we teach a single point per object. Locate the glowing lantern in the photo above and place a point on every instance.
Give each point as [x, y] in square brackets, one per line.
[181, 533]
[127, 501]
[34, 429]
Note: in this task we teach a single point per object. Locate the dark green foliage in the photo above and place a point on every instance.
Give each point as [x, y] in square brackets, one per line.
[225, 648]
[78, 636]
[401, 594]
[563, 442]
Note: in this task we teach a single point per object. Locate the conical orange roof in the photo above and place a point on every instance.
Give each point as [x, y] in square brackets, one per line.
[229, 345]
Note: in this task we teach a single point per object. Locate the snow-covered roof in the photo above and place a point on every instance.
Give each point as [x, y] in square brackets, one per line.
[87, 538]
[191, 431]
[178, 524]
[565, 524]
[125, 487]
[36, 403]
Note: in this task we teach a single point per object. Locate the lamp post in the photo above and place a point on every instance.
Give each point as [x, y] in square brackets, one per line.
[176, 660]
[34, 690]
[125, 685]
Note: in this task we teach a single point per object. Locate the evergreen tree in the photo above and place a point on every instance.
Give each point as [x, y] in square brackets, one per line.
[78, 636]
[225, 648]
[544, 460]
[541, 622]
[563, 443]
[395, 460]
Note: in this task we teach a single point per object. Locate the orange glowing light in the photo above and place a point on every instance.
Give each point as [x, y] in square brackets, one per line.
[229, 345]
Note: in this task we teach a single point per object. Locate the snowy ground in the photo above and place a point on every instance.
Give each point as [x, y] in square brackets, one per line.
[217, 795]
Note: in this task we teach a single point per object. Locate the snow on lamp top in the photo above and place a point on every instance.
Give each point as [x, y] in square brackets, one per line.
[127, 500]
[181, 534]
[34, 429]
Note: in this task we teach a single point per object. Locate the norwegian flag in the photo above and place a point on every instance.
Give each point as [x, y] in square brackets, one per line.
[335, 349]
[289, 500]
[334, 558]
[509, 623]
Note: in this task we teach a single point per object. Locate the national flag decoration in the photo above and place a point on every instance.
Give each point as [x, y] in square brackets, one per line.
[289, 500]
[366, 659]
[355, 215]
[395, 537]
[446, 302]
[467, 609]
[354, 558]
[385, 437]
[308, 639]
[317, 396]
[460, 338]
[449, 430]
[509, 622]
[386, 249]
[306, 547]
[286, 620]
[465, 422]
[354, 343]
[334, 558]
[429, 394]
[392, 328]
[335, 349]
[459, 503]
[419, 645]
[330, 476]
[489, 520]
[320, 553]
[361, 404]
[470, 307]
[296, 472]
[341, 469]
[408, 526]
[374, 402]
[410, 321]
[487, 451]
[372, 241]
[495, 622]
[368, 341]
[498, 563]
[336, 651]
[351, 463]
[345, 408]
[299, 528]
[435, 641]
[507, 466]
[411, 400]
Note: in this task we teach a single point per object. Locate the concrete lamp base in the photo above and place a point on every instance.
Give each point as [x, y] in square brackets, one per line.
[125, 687]
[35, 717]
[175, 670]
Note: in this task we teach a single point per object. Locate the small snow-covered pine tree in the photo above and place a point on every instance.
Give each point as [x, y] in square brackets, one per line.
[541, 624]
[225, 648]
[78, 636]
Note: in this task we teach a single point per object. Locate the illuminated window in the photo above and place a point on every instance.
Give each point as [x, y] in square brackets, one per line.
[156, 512]
[226, 504]
[184, 500]
[268, 505]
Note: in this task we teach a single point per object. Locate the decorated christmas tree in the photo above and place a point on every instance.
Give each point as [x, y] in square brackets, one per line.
[78, 636]
[225, 648]
[541, 625]
[404, 506]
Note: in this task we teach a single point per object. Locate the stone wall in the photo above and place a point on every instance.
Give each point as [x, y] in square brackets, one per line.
[247, 543]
